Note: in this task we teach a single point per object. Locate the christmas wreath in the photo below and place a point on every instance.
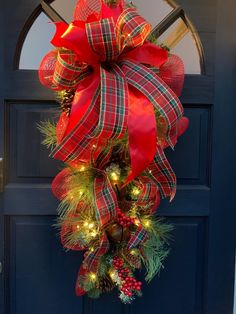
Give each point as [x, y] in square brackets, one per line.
[118, 92]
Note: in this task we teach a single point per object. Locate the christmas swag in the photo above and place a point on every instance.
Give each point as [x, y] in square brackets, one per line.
[118, 94]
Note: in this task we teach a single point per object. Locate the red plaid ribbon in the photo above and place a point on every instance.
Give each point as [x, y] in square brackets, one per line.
[102, 38]
[162, 173]
[91, 258]
[131, 29]
[68, 71]
[140, 236]
[105, 199]
[78, 141]
[160, 95]
[149, 193]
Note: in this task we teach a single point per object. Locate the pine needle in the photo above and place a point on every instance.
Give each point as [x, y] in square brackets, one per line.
[48, 130]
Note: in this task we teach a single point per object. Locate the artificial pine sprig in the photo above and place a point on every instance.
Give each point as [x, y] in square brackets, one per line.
[154, 250]
[48, 130]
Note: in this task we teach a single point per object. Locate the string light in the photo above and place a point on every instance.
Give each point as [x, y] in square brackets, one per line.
[90, 225]
[136, 191]
[78, 227]
[92, 276]
[86, 224]
[82, 168]
[133, 252]
[93, 234]
[114, 176]
[112, 274]
[147, 223]
[137, 222]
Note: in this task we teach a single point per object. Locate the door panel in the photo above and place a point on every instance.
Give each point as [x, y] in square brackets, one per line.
[41, 270]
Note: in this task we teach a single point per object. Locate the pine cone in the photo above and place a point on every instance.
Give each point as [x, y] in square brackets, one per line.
[132, 259]
[106, 284]
[67, 99]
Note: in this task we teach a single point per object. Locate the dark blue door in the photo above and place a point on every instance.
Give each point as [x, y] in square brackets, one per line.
[37, 276]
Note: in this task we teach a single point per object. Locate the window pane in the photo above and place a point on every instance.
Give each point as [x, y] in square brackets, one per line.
[154, 11]
[179, 39]
[37, 43]
[65, 8]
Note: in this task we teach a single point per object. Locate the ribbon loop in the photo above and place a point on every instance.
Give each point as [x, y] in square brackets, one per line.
[102, 38]
[131, 29]
[114, 104]
[68, 71]
[159, 94]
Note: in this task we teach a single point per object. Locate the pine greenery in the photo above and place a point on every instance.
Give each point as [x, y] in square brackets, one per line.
[48, 130]
[155, 248]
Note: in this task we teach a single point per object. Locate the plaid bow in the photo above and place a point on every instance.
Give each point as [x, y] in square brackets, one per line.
[104, 59]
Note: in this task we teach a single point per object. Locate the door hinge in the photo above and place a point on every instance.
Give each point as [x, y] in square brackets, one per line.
[1, 176]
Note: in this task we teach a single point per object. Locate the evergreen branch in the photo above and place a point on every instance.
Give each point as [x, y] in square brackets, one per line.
[48, 130]
[154, 250]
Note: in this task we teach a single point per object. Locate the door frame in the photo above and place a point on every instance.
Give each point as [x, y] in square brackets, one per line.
[220, 279]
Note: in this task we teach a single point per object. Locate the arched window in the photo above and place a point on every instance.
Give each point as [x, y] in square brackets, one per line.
[170, 24]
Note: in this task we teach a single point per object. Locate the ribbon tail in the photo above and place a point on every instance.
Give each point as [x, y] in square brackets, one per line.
[162, 173]
[91, 259]
[149, 194]
[140, 236]
[142, 133]
[78, 290]
[158, 93]
[105, 199]
[83, 119]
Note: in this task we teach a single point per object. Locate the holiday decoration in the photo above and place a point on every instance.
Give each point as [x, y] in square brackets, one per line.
[118, 94]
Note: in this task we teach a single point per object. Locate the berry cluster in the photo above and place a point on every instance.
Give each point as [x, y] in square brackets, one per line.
[130, 284]
[124, 220]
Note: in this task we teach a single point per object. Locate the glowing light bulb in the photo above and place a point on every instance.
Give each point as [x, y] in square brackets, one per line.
[92, 276]
[114, 176]
[93, 234]
[94, 146]
[137, 222]
[91, 249]
[80, 193]
[150, 171]
[147, 223]
[86, 224]
[78, 227]
[112, 274]
[136, 191]
[133, 252]
[91, 225]
[82, 168]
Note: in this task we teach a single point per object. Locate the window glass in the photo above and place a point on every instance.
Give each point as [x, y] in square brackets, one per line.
[178, 36]
[37, 43]
[179, 39]
[154, 11]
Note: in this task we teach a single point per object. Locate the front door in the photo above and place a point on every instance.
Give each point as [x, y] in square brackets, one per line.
[36, 275]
